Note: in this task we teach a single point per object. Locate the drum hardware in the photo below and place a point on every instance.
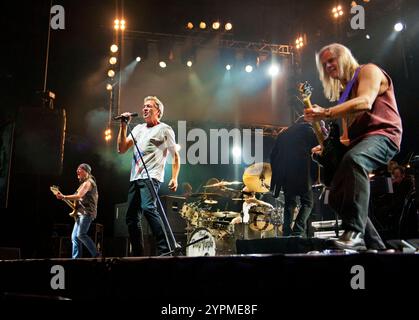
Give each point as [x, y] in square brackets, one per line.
[257, 177]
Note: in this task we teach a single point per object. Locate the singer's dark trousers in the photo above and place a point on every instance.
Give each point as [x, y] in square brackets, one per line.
[141, 203]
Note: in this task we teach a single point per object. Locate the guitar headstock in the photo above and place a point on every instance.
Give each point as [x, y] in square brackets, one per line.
[305, 89]
[54, 189]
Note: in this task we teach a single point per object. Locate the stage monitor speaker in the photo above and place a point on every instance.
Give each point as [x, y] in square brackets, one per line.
[284, 245]
[173, 206]
[39, 141]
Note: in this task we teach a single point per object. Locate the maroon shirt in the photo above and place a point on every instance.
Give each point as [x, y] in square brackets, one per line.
[382, 119]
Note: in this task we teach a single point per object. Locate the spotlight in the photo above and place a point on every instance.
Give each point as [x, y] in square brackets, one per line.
[111, 73]
[189, 25]
[368, 36]
[216, 25]
[114, 48]
[228, 26]
[108, 134]
[138, 59]
[112, 60]
[189, 63]
[248, 68]
[398, 27]
[162, 64]
[228, 67]
[273, 70]
[122, 24]
[109, 87]
[236, 151]
[116, 24]
[202, 25]
[337, 11]
[299, 42]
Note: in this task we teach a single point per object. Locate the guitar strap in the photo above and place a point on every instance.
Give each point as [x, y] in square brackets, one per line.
[348, 87]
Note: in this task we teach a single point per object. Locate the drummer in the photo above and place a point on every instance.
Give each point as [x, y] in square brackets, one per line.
[250, 201]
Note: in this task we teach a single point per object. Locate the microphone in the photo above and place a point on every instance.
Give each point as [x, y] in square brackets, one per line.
[135, 114]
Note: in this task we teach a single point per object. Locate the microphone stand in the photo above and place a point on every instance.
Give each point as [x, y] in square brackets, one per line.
[155, 195]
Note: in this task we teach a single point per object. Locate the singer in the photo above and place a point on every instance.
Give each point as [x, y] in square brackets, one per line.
[155, 139]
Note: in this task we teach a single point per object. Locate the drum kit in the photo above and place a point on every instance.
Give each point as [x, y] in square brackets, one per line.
[211, 231]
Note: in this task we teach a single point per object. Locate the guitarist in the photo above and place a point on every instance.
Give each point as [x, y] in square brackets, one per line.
[368, 109]
[86, 198]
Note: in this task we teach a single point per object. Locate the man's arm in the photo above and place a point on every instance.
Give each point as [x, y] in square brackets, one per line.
[84, 188]
[173, 184]
[123, 142]
[370, 80]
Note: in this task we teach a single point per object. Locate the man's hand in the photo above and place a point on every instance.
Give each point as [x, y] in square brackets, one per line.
[317, 149]
[59, 196]
[314, 114]
[173, 185]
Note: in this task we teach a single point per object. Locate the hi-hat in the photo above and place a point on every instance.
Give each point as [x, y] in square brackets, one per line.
[223, 184]
[257, 177]
[225, 214]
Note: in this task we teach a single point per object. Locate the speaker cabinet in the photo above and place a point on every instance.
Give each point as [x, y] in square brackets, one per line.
[39, 141]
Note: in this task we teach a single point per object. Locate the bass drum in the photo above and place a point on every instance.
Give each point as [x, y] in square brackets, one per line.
[217, 243]
[204, 247]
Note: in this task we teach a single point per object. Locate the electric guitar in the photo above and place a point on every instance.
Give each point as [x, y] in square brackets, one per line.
[332, 150]
[72, 204]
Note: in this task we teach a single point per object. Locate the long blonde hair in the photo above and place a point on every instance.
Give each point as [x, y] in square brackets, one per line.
[347, 66]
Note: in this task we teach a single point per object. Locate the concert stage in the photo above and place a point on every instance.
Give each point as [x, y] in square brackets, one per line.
[183, 280]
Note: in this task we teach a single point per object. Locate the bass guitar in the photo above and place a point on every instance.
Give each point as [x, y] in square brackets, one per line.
[72, 204]
[332, 150]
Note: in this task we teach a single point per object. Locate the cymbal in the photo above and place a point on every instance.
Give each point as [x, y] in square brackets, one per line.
[205, 194]
[210, 201]
[225, 214]
[257, 177]
[231, 214]
[223, 184]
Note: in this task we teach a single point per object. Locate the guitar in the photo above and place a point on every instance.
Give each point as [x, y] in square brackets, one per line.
[72, 204]
[332, 150]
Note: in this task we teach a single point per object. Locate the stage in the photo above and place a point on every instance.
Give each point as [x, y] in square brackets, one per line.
[221, 279]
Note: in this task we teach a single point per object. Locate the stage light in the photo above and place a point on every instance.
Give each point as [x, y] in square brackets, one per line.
[114, 48]
[202, 25]
[228, 26]
[162, 64]
[189, 63]
[189, 25]
[228, 67]
[138, 59]
[273, 70]
[119, 24]
[216, 25]
[398, 27]
[236, 152]
[337, 11]
[108, 134]
[112, 60]
[248, 68]
[299, 42]
[109, 87]
[368, 36]
[111, 73]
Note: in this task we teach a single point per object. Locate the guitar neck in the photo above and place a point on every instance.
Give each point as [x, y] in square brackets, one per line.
[316, 124]
[69, 203]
